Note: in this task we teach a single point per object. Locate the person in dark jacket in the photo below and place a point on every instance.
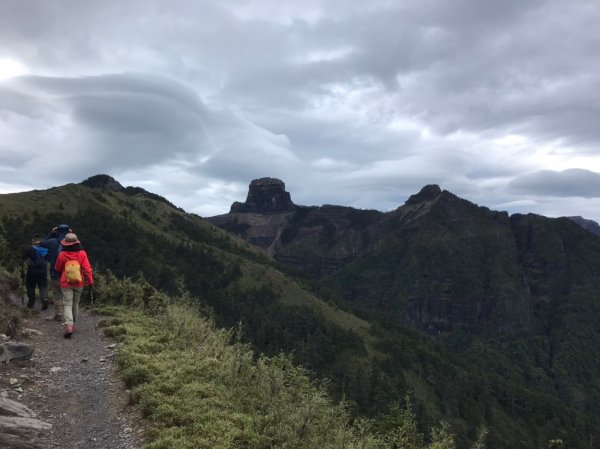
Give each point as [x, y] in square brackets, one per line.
[36, 257]
[52, 242]
[75, 271]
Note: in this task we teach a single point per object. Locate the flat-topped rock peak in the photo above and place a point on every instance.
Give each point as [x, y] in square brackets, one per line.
[265, 195]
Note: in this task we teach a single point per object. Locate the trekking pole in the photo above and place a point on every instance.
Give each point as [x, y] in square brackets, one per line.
[23, 281]
[93, 308]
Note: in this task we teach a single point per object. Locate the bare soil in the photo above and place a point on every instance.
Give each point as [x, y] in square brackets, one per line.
[73, 385]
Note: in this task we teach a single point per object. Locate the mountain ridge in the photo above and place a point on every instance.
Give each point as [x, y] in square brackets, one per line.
[320, 241]
[519, 288]
[364, 273]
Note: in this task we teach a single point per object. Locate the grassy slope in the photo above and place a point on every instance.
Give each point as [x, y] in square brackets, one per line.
[134, 233]
[174, 250]
[199, 387]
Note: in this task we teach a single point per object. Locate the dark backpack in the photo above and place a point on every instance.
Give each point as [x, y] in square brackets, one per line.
[39, 261]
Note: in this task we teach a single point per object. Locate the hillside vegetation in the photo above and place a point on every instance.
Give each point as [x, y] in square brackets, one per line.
[137, 234]
[510, 305]
[501, 377]
[201, 387]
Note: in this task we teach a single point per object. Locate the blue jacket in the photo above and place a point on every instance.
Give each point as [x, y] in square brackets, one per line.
[52, 242]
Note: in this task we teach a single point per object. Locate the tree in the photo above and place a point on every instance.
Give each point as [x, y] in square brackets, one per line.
[441, 437]
[398, 428]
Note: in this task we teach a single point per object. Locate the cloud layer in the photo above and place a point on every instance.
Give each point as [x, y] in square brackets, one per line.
[348, 102]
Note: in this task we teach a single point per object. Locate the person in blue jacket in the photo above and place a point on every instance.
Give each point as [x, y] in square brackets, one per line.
[52, 242]
[36, 257]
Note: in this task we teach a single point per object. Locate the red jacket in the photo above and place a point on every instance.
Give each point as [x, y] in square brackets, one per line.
[86, 269]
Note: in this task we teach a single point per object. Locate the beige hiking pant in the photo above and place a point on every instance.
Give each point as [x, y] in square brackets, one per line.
[71, 297]
[57, 297]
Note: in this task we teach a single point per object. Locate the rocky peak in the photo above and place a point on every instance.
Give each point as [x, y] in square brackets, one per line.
[103, 182]
[428, 193]
[265, 195]
[590, 225]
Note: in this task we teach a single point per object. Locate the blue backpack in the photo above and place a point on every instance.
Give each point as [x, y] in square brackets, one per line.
[40, 260]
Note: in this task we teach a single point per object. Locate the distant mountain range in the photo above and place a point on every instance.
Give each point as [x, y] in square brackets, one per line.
[483, 318]
[437, 261]
[513, 295]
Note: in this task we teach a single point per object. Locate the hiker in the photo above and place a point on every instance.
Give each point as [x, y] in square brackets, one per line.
[52, 242]
[75, 269]
[37, 272]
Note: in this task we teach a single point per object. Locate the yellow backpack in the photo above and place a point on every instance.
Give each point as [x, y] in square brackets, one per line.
[73, 272]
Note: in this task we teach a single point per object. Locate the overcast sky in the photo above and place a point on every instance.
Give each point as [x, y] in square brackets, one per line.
[349, 102]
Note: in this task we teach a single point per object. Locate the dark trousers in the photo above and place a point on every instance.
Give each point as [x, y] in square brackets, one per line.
[33, 280]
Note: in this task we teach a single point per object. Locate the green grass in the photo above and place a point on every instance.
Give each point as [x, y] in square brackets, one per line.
[292, 293]
[200, 388]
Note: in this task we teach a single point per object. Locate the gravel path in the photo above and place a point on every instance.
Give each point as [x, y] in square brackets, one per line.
[72, 384]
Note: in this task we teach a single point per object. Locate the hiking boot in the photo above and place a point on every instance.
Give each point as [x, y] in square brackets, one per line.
[68, 330]
[44, 305]
[74, 327]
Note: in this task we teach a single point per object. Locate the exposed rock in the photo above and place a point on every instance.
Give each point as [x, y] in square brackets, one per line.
[13, 350]
[428, 193]
[103, 182]
[265, 195]
[22, 433]
[590, 225]
[18, 427]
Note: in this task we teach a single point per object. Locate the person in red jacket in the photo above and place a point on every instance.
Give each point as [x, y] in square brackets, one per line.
[75, 270]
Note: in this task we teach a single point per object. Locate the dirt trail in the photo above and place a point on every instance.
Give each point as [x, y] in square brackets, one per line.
[72, 384]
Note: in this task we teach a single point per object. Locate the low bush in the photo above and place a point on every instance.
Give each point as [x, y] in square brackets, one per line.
[201, 387]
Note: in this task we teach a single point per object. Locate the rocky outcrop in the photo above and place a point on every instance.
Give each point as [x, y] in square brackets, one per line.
[265, 196]
[13, 350]
[19, 429]
[589, 225]
[428, 193]
[104, 182]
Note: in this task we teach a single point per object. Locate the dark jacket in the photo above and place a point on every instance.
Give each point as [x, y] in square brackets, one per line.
[52, 242]
[37, 264]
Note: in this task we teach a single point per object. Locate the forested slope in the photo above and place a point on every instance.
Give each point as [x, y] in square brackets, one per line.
[468, 377]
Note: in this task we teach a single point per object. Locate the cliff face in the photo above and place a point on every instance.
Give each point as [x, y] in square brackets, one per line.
[265, 196]
[314, 240]
[437, 262]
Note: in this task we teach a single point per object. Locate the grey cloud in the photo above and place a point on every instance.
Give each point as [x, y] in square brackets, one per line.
[13, 101]
[567, 183]
[464, 65]
[111, 123]
[307, 91]
[507, 67]
[340, 138]
[116, 120]
[126, 83]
